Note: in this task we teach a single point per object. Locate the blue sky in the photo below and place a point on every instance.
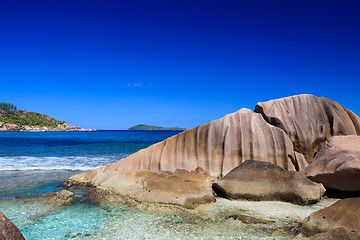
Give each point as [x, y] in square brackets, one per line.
[114, 64]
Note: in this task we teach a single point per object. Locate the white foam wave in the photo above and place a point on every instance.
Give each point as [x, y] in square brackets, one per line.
[83, 163]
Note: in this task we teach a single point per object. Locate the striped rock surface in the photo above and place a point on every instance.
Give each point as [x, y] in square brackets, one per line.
[217, 147]
[309, 121]
[337, 165]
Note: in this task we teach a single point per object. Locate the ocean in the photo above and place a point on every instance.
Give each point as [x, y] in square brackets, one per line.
[33, 163]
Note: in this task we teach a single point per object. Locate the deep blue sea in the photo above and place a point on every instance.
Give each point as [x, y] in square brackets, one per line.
[33, 163]
[72, 150]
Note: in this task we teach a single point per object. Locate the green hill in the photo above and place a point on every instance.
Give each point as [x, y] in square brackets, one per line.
[10, 115]
[148, 127]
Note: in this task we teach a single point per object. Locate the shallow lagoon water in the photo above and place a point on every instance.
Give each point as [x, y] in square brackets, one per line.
[88, 220]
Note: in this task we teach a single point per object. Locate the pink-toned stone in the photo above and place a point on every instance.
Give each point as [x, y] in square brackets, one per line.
[217, 147]
[309, 120]
[8, 231]
[181, 187]
[337, 165]
[344, 213]
[256, 180]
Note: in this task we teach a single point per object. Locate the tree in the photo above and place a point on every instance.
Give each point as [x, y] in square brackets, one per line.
[7, 106]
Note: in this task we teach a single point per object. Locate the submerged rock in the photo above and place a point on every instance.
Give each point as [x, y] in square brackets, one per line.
[250, 219]
[8, 231]
[181, 187]
[255, 180]
[337, 165]
[60, 198]
[309, 120]
[344, 213]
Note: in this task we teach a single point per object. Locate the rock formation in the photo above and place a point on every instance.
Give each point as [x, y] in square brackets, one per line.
[56, 199]
[309, 120]
[8, 231]
[9, 127]
[337, 165]
[337, 234]
[217, 147]
[344, 213]
[60, 127]
[286, 132]
[187, 189]
[255, 180]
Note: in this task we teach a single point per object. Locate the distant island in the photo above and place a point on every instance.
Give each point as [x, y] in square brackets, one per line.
[148, 127]
[12, 119]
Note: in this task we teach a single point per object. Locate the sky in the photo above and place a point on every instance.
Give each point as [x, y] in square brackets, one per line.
[114, 64]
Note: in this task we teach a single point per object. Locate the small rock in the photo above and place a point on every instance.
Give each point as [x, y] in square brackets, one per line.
[26, 128]
[60, 198]
[250, 219]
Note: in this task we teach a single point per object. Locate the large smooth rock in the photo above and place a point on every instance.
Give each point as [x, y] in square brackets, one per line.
[8, 231]
[337, 234]
[309, 120]
[344, 213]
[217, 147]
[337, 165]
[255, 180]
[187, 189]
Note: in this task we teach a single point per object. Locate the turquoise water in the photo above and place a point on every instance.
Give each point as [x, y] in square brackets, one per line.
[33, 163]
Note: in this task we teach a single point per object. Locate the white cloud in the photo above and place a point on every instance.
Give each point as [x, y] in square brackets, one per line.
[134, 84]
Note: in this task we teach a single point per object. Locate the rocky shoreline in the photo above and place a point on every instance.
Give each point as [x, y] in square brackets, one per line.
[6, 127]
[281, 138]
[291, 150]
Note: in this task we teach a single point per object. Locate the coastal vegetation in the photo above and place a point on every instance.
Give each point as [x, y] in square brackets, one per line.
[12, 119]
[149, 127]
[10, 115]
[7, 106]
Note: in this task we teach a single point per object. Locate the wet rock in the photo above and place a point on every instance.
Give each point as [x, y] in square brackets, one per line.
[337, 165]
[8, 231]
[60, 198]
[337, 234]
[181, 187]
[255, 180]
[344, 213]
[309, 120]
